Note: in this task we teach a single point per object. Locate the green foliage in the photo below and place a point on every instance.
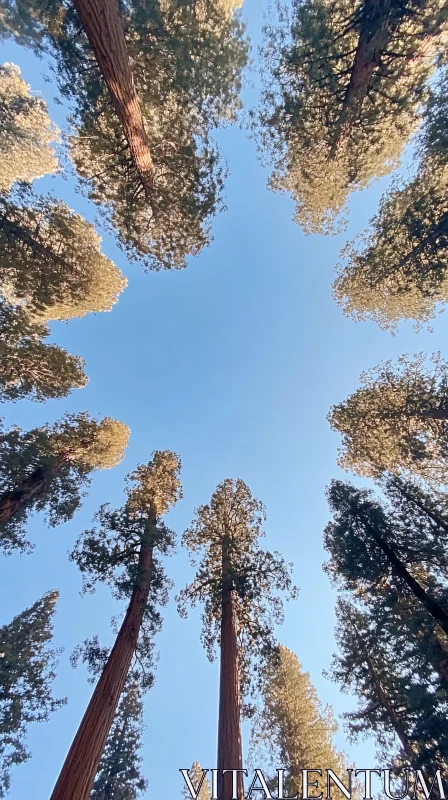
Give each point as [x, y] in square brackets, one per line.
[292, 728]
[27, 667]
[187, 58]
[64, 455]
[343, 86]
[118, 776]
[233, 518]
[27, 133]
[31, 369]
[397, 420]
[398, 269]
[195, 777]
[51, 259]
[109, 552]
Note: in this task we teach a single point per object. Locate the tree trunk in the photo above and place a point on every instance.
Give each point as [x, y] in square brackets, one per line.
[375, 32]
[441, 229]
[15, 231]
[385, 702]
[436, 518]
[230, 755]
[103, 27]
[80, 767]
[431, 605]
[12, 502]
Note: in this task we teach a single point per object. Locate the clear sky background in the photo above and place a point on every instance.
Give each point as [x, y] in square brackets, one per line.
[234, 364]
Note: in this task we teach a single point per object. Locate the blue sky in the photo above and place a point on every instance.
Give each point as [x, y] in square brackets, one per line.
[233, 363]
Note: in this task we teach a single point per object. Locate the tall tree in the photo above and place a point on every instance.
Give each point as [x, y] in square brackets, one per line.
[397, 420]
[398, 269]
[45, 469]
[27, 670]
[238, 584]
[51, 260]
[187, 60]
[344, 84]
[196, 774]
[292, 728]
[397, 703]
[29, 367]
[119, 776]
[122, 552]
[27, 132]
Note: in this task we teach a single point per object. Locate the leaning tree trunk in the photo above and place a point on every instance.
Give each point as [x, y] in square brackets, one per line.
[103, 27]
[16, 499]
[230, 754]
[385, 702]
[80, 767]
[432, 606]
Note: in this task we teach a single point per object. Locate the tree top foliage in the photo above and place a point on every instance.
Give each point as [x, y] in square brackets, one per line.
[397, 421]
[231, 523]
[344, 84]
[187, 59]
[291, 727]
[63, 454]
[196, 776]
[27, 671]
[27, 132]
[397, 269]
[51, 259]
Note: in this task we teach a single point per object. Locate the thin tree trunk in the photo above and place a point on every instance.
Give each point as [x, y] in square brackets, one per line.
[80, 767]
[18, 232]
[385, 702]
[440, 229]
[436, 518]
[230, 755]
[431, 605]
[103, 27]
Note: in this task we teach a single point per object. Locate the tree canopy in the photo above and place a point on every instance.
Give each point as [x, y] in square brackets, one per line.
[27, 671]
[398, 269]
[27, 132]
[196, 774]
[187, 59]
[344, 85]
[58, 459]
[397, 420]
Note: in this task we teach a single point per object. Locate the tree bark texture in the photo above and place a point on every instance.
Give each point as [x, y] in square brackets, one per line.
[230, 754]
[80, 767]
[103, 27]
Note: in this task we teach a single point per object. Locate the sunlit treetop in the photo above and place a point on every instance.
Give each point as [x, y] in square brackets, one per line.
[397, 421]
[343, 88]
[26, 131]
[51, 259]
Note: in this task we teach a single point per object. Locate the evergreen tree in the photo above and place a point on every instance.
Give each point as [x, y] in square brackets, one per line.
[398, 699]
[238, 584]
[27, 667]
[368, 544]
[122, 552]
[27, 133]
[196, 774]
[45, 469]
[399, 268]
[292, 728]
[397, 420]
[344, 86]
[29, 367]
[118, 776]
[142, 136]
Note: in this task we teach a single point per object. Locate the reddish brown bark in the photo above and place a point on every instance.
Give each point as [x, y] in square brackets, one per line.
[230, 754]
[78, 772]
[103, 27]
[13, 501]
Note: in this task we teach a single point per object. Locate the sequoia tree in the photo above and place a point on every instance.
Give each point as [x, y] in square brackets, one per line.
[292, 728]
[148, 83]
[27, 132]
[122, 552]
[45, 469]
[27, 665]
[198, 778]
[119, 776]
[238, 583]
[397, 420]
[398, 269]
[344, 84]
